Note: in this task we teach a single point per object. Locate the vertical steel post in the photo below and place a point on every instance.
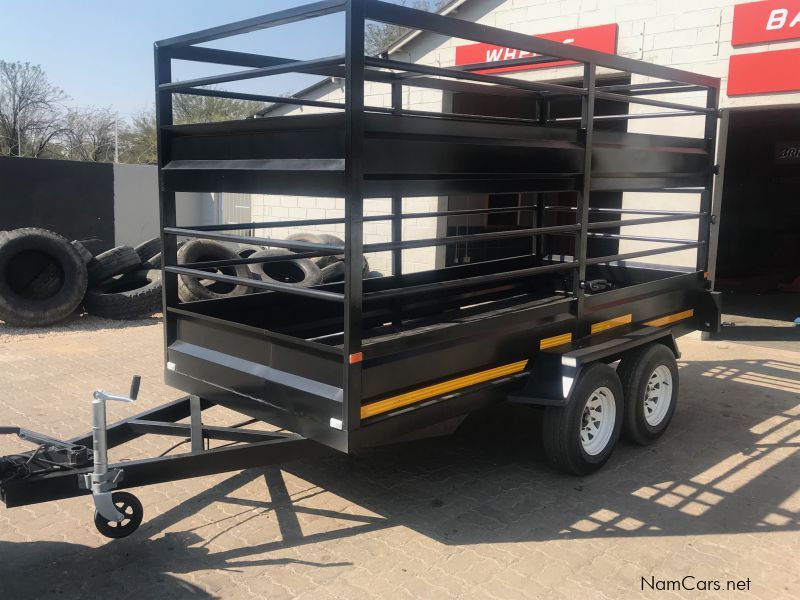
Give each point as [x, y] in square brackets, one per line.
[196, 423]
[397, 201]
[587, 132]
[167, 214]
[704, 222]
[354, 210]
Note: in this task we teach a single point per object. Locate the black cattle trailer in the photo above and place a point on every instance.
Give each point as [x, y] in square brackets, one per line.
[563, 291]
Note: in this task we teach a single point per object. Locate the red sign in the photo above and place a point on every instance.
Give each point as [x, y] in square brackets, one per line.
[769, 21]
[764, 72]
[601, 37]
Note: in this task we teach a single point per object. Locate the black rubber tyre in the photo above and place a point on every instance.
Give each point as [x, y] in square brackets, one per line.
[562, 426]
[147, 250]
[319, 238]
[248, 251]
[85, 253]
[643, 374]
[42, 277]
[130, 507]
[296, 272]
[374, 274]
[153, 262]
[117, 261]
[333, 272]
[131, 296]
[191, 289]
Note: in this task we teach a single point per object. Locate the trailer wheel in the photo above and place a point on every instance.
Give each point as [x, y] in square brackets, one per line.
[130, 507]
[650, 386]
[580, 437]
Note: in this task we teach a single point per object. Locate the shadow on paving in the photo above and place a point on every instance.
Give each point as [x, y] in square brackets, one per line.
[728, 464]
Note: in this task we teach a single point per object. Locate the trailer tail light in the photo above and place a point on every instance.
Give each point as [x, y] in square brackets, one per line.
[356, 358]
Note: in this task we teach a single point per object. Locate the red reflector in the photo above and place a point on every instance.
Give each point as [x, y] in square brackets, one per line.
[356, 358]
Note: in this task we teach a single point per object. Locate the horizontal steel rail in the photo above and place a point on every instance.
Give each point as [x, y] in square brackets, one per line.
[638, 238]
[246, 239]
[472, 237]
[644, 221]
[624, 211]
[232, 262]
[272, 287]
[533, 86]
[260, 98]
[639, 254]
[630, 116]
[229, 434]
[506, 64]
[290, 67]
[650, 102]
[469, 281]
[283, 17]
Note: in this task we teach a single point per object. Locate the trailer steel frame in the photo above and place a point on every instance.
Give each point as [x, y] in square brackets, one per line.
[367, 368]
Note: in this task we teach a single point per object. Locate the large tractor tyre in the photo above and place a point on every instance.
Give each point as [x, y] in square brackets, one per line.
[117, 261]
[42, 277]
[580, 437]
[191, 289]
[131, 296]
[147, 250]
[649, 379]
[295, 272]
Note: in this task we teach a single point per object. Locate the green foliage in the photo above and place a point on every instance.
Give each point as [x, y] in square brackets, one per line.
[380, 36]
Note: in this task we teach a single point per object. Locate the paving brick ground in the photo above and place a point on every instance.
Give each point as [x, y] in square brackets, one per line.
[460, 517]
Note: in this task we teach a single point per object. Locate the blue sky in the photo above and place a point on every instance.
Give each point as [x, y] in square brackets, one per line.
[100, 52]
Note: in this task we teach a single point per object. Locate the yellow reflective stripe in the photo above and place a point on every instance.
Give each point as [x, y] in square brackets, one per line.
[674, 318]
[557, 340]
[611, 323]
[387, 404]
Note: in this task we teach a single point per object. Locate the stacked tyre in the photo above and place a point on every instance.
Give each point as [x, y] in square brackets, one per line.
[43, 277]
[125, 282]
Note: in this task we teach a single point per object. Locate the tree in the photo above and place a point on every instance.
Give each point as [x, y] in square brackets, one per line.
[30, 111]
[138, 141]
[380, 36]
[89, 135]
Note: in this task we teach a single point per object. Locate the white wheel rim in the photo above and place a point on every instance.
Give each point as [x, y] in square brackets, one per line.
[597, 421]
[658, 395]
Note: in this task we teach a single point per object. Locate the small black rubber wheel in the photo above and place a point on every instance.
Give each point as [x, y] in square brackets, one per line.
[130, 507]
[580, 437]
[117, 261]
[649, 379]
[147, 250]
[191, 289]
[296, 272]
